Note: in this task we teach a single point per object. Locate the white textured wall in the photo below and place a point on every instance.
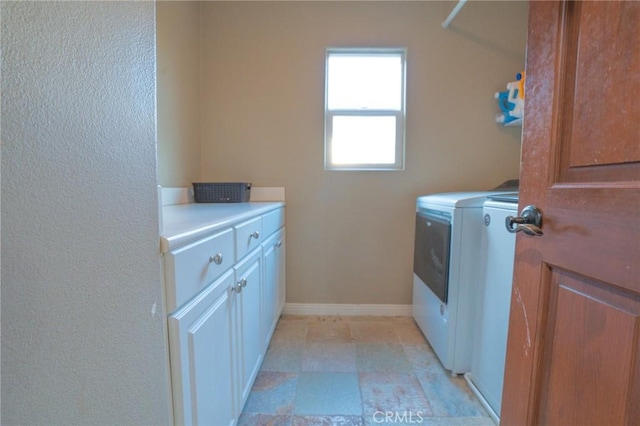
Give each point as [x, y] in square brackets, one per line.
[350, 234]
[82, 322]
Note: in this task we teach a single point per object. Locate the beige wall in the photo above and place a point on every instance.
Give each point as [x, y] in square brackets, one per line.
[178, 65]
[350, 234]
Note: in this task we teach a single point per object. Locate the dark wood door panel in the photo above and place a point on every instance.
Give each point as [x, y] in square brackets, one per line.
[601, 91]
[596, 231]
[591, 347]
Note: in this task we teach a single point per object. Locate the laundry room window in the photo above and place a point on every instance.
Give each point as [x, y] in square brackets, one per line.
[365, 109]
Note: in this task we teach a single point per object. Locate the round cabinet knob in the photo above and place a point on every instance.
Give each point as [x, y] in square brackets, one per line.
[279, 244]
[238, 287]
[255, 235]
[243, 282]
[217, 258]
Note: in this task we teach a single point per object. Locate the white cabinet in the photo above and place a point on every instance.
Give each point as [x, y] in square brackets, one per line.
[281, 273]
[248, 308]
[201, 356]
[225, 291]
[273, 252]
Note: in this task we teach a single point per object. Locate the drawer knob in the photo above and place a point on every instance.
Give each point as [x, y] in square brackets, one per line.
[255, 235]
[217, 258]
[238, 287]
[243, 282]
[279, 244]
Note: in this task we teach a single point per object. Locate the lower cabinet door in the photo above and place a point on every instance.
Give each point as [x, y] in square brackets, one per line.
[281, 273]
[273, 284]
[247, 302]
[200, 337]
[269, 287]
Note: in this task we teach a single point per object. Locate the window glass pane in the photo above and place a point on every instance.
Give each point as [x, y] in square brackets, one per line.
[363, 140]
[364, 81]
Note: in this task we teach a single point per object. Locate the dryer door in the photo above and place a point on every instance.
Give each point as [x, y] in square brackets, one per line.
[431, 251]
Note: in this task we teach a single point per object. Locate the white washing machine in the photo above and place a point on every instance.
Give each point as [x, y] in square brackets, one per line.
[447, 265]
[494, 298]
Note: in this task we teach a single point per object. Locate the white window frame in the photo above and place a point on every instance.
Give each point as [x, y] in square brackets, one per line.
[399, 114]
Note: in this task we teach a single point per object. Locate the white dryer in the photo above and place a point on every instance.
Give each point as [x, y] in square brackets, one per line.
[447, 265]
[494, 299]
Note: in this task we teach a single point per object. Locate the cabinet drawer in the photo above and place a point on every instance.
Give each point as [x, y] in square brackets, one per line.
[248, 236]
[272, 221]
[191, 268]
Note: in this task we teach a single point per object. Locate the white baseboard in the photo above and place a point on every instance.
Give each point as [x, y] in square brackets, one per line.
[334, 309]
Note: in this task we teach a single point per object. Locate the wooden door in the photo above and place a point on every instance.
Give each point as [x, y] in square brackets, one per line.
[573, 355]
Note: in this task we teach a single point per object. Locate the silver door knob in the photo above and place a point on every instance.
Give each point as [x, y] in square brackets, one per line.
[238, 287]
[255, 235]
[217, 258]
[529, 222]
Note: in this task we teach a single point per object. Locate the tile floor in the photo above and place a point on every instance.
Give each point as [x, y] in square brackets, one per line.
[356, 371]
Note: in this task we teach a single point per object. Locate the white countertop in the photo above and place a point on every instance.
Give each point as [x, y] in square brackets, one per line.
[185, 223]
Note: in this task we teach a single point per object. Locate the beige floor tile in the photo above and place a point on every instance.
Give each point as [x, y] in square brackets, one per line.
[329, 356]
[290, 330]
[296, 317]
[368, 318]
[337, 331]
[327, 421]
[329, 319]
[374, 332]
[408, 333]
[395, 367]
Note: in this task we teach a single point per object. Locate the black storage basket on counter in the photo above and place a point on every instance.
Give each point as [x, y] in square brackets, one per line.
[221, 192]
